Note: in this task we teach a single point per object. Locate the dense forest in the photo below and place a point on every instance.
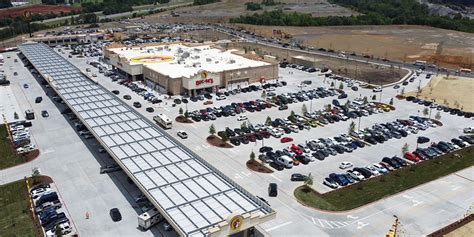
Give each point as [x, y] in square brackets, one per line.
[374, 12]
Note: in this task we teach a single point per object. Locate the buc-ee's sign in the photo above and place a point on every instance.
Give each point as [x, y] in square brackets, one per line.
[204, 81]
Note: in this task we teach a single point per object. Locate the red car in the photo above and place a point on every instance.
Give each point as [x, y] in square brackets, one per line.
[296, 149]
[411, 157]
[286, 139]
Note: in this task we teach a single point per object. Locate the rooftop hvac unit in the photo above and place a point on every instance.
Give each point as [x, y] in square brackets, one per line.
[180, 50]
[216, 62]
[185, 55]
[231, 61]
[208, 60]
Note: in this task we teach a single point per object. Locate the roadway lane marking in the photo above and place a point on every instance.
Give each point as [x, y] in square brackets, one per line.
[276, 178]
[314, 221]
[352, 217]
[278, 226]
[341, 223]
[361, 225]
[48, 151]
[335, 224]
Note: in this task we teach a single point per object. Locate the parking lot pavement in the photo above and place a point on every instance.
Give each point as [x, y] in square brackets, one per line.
[372, 220]
[74, 164]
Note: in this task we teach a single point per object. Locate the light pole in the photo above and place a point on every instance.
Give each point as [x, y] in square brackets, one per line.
[358, 127]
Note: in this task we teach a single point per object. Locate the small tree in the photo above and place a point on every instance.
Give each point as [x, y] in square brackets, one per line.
[268, 121]
[252, 155]
[352, 127]
[264, 94]
[425, 111]
[186, 114]
[405, 148]
[15, 115]
[438, 116]
[58, 232]
[341, 86]
[391, 101]
[374, 97]
[332, 84]
[180, 111]
[328, 107]
[243, 125]
[366, 100]
[212, 129]
[308, 180]
[292, 116]
[304, 110]
[402, 91]
[35, 174]
[225, 136]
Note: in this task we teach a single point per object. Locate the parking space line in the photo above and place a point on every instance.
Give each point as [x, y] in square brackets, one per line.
[335, 224]
[329, 224]
[314, 222]
[276, 178]
[278, 226]
[320, 223]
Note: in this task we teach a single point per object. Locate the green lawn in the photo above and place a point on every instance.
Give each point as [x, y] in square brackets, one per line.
[15, 219]
[8, 157]
[383, 186]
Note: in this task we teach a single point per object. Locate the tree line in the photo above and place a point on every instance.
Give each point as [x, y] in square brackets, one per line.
[373, 12]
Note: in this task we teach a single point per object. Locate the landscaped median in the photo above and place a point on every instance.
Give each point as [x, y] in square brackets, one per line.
[8, 156]
[374, 189]
[15, 216]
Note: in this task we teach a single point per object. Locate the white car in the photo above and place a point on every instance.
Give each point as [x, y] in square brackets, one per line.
[221, 97]
[468, 130]
[37, 195]
[65, 229]
[380, 168]
[345, 165]
[377, 89]
[241, 118]
[372, 170]
[356, 175]
[182, 134]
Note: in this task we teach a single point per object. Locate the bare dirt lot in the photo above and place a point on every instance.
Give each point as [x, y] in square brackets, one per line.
[370, 73]
[450, 91]
[405, 43]
[36, 9]
[222, 11]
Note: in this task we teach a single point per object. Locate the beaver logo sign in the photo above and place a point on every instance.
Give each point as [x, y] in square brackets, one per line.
[204, 74]
[236, 222]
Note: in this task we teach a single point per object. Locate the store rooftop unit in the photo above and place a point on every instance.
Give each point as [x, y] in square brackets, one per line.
[196, 198]
[185, 61]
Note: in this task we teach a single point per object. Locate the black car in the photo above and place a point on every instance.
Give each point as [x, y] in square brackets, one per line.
[177, 101]
[116, 92]
[127, 97]
[365, 172]
[342, 96]
[38, 99]
[265, 149]
[302, 159]
[400, 161]
[44, 113]
[458, 142]
[319, 155]
[391, 162]
[137, 104]
[150, 110]
[277, 166]
[298, 177]
[272, 190]
[115, 214]
[467, 139]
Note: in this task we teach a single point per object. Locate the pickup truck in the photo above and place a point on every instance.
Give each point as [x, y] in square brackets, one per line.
[47, 205]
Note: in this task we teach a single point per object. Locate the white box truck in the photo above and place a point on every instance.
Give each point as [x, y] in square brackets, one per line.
[149, 218]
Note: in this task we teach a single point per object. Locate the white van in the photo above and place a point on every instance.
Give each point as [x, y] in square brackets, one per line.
[286, 161]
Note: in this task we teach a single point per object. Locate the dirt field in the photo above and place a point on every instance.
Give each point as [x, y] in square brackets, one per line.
[38, 9]
[449, 91]
[361, 71]
[222, 11]
[464, 231]
[405, 43]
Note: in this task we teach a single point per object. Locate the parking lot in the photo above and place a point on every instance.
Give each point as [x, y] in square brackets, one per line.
[81, 169]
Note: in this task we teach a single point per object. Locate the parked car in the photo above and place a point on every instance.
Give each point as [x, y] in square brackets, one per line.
[298, 177]
[115, 214]
[182, 134]
[44, 113]
[38, 99]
